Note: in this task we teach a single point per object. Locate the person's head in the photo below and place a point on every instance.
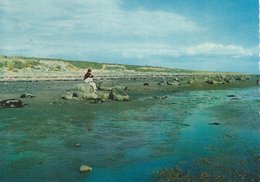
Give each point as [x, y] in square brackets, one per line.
[89, 70]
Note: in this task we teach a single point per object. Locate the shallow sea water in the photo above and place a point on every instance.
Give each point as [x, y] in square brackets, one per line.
[132, 141]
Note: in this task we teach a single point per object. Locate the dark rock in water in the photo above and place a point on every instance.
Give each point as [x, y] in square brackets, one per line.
[258, 82]
[235, 98]
[27, 95]
[119, 95]
[11, 103]
[161, 97]
[146, 84]
[215, 123]
[231, 95]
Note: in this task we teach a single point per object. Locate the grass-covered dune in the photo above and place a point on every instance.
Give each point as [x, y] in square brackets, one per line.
[14, 63]
[30, 68]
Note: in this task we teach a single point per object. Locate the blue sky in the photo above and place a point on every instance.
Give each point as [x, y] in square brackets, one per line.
[215, 35]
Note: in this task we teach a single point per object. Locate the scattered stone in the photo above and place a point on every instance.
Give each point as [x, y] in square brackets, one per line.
[27, 95]
[85, 168]
[258, 82]
[77, 145]
[214, 123]
[146, 84]
[11, 103]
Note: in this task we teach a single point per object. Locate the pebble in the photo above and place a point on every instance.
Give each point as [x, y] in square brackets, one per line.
[85, 168]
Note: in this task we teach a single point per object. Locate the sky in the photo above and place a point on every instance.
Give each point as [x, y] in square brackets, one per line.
[213, 35]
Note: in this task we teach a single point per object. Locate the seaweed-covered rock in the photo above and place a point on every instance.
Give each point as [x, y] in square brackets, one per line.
[11, 103]
[119, 95]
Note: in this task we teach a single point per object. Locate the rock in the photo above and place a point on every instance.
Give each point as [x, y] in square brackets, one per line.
[77, 145]
[161, 97]
[27, 95]
[85, 91]
[103, 95]
[235, 98]
[258, 82]
[119, 95]
[215, 123]
[231, 95]
[173, 83]
[146, 84]
[70, 96]
[11, 103]
[85, 168]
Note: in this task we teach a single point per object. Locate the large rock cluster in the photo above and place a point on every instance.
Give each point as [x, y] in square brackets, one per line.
[86, 92]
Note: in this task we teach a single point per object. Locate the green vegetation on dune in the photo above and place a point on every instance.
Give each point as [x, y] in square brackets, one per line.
[13, 63]
[17, 64]
[84, 65]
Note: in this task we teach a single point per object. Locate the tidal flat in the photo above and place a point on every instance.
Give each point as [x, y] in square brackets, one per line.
[195, 133]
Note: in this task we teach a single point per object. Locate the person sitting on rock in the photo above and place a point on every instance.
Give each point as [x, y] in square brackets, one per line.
[88, 78]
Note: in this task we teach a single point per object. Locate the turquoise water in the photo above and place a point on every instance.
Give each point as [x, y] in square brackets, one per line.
[132, 141]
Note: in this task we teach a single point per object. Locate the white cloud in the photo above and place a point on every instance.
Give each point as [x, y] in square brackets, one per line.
[204, 49]
[219, 50]
[92, 17]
